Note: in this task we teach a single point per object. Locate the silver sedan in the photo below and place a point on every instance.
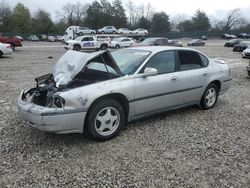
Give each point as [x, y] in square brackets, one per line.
[100, 92]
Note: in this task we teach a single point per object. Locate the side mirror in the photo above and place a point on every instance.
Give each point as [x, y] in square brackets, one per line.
[149, 72]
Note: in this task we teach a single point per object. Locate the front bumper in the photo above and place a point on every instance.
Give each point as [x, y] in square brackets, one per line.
[56, 120]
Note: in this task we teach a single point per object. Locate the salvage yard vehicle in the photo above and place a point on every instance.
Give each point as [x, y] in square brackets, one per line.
[108, 30]
[175, 43]
[227, 36]
[124, 31]
[5, 49]
[196, 42]
[122, 42]
[84, 30]
[89, 43]
[33, 38]
[99, 92]
[232, 42]
[154, 41]
[246, 52]
[14, 42]
[241, 46]
[140, 31]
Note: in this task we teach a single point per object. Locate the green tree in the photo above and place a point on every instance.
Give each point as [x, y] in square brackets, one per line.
[160, 23]
[5, 17]
[200, 21]
[21, 19]
[119, 16]
[42, 22]
[185, 26]
[143, 23]
[94, 15]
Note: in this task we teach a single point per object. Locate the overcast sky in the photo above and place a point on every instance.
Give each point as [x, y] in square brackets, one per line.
[214, 8]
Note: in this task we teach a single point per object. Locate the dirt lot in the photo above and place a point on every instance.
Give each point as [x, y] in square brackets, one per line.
[184, 148]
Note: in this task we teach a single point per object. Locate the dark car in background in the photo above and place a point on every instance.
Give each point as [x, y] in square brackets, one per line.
[232, 42]
[175, 43]
[241, 46]
[33, 38]
[196, 42]
[227, 36]
[155, 41]
[243, 36]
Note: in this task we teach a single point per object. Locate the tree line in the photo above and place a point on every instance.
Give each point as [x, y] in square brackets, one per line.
[101, 13]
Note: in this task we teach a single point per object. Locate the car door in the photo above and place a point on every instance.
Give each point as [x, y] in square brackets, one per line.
[194, 75]
[155, 93]
[125, 42]
[88, 42]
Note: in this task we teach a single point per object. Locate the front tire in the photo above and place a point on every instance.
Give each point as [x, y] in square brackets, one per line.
[209, 97]
[105, 119]
[103, 47]
[76, 48]
[117, 46]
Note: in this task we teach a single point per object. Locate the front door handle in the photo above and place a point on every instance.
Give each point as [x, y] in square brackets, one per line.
[205, 74]
[174, 78]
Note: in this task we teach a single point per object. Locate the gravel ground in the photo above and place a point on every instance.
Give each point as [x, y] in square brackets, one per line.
[184, 148]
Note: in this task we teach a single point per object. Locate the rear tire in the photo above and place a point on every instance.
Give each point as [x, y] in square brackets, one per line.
[103, 47]
[210, 96]
[12, 46]
[248, 73]
[105, 119]
[1, 54]
[76, 48]
[117, 46]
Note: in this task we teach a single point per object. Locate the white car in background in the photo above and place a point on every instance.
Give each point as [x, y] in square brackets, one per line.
[122, 42]
[84, 30]
[51, 38]
[140, 31]
[246, 52]
[124, 31]
[5, 49]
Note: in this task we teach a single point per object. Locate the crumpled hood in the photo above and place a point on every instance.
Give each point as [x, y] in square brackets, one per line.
[72, 62]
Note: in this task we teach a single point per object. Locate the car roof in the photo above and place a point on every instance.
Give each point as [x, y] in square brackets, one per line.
[155, 49]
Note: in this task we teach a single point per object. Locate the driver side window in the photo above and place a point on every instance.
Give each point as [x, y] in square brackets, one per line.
[164, 62]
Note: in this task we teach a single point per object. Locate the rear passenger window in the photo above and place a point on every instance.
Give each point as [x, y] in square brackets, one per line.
[190, 60]
[164, 62]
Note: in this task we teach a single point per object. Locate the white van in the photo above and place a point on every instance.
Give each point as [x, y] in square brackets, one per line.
[70, 33]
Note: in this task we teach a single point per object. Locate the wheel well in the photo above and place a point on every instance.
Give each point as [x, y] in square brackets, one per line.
[217, 83]
[104, 44]
[77, 45]
[115, 96]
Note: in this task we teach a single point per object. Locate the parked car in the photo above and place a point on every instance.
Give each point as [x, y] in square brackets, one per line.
[97, 42]
[154, 41]
[241, 46]
[140, 31]
[108, 30]
[51, 38]
[84, 30]
[124, 31]
[19, 37]
[59, 38]
[43, 37]
[196, 42]
[175, 43]
[203, 37]
[242, 36]
[14, 42]
[5, 49]
[227, 36]
[232, 42]
[99, 92]
[246, 52]
[122, 42]
[32, 38]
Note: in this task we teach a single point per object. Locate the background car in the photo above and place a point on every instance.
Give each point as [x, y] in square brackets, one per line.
[19, 37]
[227, 36]
[154, 41]
[175, 43]
[59, 38]
[108, 30]
[241, 46]
[196, 42]
[42, 37]
[32, 38]
[246, 52]
[232, 42]
[122, 42]
[14, 42]
[99, 92]
[5, 49]
[84, 30]
[140, 31]
[242, 36]
[124, 31]
[51, 38]
[203, 37]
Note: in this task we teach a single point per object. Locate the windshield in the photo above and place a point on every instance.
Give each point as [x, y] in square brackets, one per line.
[78, 39]
[148, 41]
[129, 60]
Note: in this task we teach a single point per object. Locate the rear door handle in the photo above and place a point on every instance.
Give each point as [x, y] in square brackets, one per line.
[174, 78]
